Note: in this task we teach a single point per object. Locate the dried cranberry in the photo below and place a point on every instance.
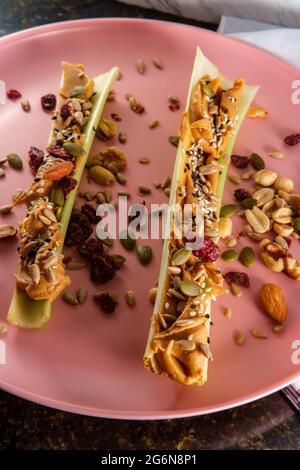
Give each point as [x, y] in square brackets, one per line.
[58, 152]
[65, 111]
[48, 102]
[13, 94]
[103, 268]
[36, 158]
[241, 194]
[209, 251]
[79, 228]
[67, 184]
[237, 277]
[90, 212]
[296, 208]
[240, 161]
[292, 139]
[107, 300]
[90, 248]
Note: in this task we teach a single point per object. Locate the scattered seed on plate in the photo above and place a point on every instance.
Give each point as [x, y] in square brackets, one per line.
[278, 328]
[107, 195]
[227, 312]
[154, 124]
[81, 295]
[247, 175]
[116, 117]
[174, 140]
[167, 191]
[166, 182]
[135, 105]
[144, 160]
[74, 265]
[130, 298]
[121, 178]
[140, 65]
[3, 328]
[144, 253]
[111, 96]
[158, 63]
[276, 154]
[122, 137]
[239, 337]
[174, 103]
[258, 334]
[234, 179]
[15, 161]
[152, 294]
[25, 106]
[156, 184]
[144, 190]
[70, 298]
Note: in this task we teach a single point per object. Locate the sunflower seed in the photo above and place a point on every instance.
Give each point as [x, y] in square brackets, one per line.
[130, 298]
[154, 124]
[140, 65]
[158, 64]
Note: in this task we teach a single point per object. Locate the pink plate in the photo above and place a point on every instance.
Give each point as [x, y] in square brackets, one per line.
[85, 361]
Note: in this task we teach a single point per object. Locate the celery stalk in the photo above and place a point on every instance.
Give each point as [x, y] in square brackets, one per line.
[202, 66]
[24, 311]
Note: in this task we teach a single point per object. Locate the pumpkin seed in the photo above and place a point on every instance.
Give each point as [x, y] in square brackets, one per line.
[57, 197]
[15, 161]
[230, 255]
[144, 190]
[247, 256]
[208, 91]
[257, 161]
[190, 288]
[239, 337]
[258, 334]
[296, 223]
[130, 298]
[6, 209]
[228, 210]
[144, 253]
[249, 202]
[81, 295]
[74, 265]
[121, 178]
[181, 256]
[105, 237]
[234, 179]
[144, 160]
[158, 63]
[119, 259]
[101, 175]
[69, 298]
[76, 150]
[154, 124]
[174, 140]
[165, 182]
[77, 91]
[128, 240]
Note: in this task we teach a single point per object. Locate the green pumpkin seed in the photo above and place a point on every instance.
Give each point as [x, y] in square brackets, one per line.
[207, 90]
[249, 202]
[119, 259]
[130, 298]
[57, 197]
[144, 253]
[76, 150]
[128, 240]
[15, 161]
[230, 255]
[247, 256]
[190, 288]
[105, 237]
[77, 91]
[228, 210]
[257, 162]
[181, 256]
[81, 295]
[59, 213]
[69, 298]
[174, 140]
[296, 223]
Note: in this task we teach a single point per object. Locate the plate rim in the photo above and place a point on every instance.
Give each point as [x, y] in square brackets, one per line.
[31, 32]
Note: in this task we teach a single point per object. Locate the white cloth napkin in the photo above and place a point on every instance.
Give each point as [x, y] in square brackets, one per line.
[286, 44]
[280, 12]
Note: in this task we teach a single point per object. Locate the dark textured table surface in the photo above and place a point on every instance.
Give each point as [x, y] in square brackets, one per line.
[269, 423]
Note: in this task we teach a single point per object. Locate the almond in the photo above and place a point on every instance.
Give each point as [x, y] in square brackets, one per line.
[273, 302]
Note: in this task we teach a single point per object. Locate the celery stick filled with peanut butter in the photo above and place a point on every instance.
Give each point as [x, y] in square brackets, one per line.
[179, 344]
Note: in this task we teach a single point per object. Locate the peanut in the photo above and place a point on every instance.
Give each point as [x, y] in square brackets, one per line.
[283, 230]
[286, 184]
[263, 195]
[258, 220]
[282, 215]
[265, 177]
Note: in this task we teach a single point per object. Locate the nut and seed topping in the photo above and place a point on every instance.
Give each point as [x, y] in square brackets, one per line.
[258, 334]
[239, 337]
[247, 256]
[157, 63]
[140, 66]
[130, 298]
[144, 253]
